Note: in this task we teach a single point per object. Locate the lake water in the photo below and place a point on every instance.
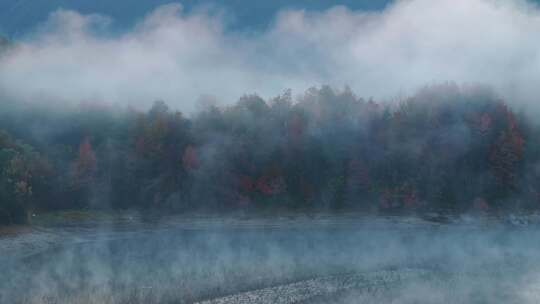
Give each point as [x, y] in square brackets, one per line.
[282, 260]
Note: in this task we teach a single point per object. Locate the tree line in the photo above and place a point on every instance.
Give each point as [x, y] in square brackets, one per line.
[444, 149]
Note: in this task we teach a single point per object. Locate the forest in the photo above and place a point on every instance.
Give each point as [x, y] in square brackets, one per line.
[446, 148]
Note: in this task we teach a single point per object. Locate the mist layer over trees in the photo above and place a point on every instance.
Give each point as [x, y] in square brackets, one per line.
[446, 149]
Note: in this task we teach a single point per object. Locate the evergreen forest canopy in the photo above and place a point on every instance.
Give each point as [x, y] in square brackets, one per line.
[445, 149]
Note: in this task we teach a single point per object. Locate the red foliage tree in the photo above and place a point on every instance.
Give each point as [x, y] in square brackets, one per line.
[507, 152]
[85, 165]
[385, 199]
[190, 158]
[485, 123]
[271, 185]
[295, 128]
[246, 183]
[480, 204]
[359, 174]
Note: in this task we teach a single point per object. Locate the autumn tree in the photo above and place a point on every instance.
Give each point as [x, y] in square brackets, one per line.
[85, 165]
[506, 155]
[23, 175]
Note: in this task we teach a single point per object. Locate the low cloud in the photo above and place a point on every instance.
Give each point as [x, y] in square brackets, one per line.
[179, 56]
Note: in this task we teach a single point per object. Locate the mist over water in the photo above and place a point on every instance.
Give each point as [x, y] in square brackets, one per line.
[365, 260]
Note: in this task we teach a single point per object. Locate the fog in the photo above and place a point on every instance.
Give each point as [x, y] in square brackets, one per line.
[179, 56]
[295, 260]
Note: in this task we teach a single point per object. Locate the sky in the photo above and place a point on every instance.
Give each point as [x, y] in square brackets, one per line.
[18, 17]
[133, 53]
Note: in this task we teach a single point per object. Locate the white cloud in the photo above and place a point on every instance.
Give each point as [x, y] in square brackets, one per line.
[177, 56]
